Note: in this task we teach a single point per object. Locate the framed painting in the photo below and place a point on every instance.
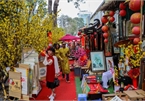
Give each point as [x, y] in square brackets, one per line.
[98, 61]
[109, 62]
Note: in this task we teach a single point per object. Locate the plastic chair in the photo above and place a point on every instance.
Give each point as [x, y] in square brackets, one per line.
[82, 97]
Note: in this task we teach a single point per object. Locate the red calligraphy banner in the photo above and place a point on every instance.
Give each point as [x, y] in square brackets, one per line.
[83, 41]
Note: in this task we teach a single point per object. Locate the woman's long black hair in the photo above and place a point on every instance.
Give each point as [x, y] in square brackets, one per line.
[55, 46]
[50, 49]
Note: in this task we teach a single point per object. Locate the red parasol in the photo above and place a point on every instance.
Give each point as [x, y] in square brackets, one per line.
[69, 37]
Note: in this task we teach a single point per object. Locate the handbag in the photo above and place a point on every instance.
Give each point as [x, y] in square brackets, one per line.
[56, 82]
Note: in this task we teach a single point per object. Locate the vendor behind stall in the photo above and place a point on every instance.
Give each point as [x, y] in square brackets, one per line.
[108, 75]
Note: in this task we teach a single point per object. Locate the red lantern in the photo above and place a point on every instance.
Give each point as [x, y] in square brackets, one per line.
[104, 20]
[79, 33]
[135, 5]
[122, 6]
[105, 35]
[136, 30]
[111, 13]
[111, 19]
[122, 13]
[135, 18]
[105, 28]
[105, 40]
[136, 40]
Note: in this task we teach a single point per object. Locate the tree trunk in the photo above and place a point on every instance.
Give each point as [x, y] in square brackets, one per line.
[55, 7]
[50, 7]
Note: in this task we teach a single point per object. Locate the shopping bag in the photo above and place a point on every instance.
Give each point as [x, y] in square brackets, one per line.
[56, 82]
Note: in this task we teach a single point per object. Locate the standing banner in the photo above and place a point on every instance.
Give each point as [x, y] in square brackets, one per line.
[15, 84]
[83, 40]
[24, 69]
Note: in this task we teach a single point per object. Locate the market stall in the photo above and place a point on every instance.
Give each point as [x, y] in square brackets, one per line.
[123, 39]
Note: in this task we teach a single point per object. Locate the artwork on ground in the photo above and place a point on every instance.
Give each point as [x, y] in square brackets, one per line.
[14, 85]
[97, 62]
[97, 59]
[15, 88]
[109, 62]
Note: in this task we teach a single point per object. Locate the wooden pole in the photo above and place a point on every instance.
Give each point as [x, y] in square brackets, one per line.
[141, 11]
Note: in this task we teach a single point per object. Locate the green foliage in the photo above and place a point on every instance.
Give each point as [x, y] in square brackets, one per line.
[23, 24]
[71, 25]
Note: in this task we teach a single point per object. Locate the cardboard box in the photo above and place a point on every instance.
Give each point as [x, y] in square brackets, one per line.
[42, 71]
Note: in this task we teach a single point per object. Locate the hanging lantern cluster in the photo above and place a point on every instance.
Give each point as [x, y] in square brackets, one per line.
[105, 35]
[122, 8]
[104, 19]
[109, 17]
[135, 5]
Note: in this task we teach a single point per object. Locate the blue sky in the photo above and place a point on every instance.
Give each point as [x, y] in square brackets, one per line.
[70, 10]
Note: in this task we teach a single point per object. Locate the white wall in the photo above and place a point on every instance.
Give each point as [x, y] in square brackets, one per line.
[98, 15]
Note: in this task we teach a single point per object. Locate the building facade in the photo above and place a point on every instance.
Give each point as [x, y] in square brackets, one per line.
[86, 16]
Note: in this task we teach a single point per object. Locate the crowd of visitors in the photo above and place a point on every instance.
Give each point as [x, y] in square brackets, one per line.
[57, 60]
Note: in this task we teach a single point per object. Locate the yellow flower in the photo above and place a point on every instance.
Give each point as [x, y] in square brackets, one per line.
[23, 29]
